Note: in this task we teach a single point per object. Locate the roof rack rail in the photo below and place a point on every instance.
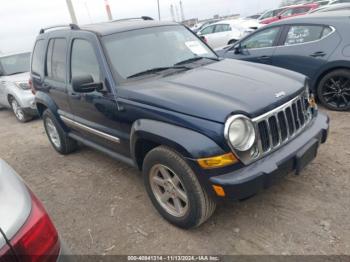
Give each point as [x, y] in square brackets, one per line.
[146, 18]
[71, 26]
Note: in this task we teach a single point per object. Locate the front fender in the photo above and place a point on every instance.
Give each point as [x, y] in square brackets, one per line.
[189, 143]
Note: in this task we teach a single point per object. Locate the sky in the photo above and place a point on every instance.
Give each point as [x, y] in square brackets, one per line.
[21, 20]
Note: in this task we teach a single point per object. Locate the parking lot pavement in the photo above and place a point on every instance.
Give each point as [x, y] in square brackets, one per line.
[100, 206]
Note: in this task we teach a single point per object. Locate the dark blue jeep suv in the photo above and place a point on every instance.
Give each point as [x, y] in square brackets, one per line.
[153, 95]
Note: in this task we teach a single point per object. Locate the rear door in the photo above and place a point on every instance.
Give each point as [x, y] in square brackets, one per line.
[258, 47]
[221, 35]
[305, 48]
[55, 71]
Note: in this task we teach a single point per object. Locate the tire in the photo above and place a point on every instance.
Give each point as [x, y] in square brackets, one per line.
[199, 207]
[20, 115]
[57, 137]
[333, 90]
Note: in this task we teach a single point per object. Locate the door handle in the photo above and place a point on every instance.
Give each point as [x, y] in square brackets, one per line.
[75, 95]
[264, 57]
[318, 54]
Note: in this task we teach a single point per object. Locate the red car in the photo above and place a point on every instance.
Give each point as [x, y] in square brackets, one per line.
[291, 12]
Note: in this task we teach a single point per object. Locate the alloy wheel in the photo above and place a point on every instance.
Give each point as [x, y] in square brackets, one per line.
[53, 133]
[336, 92]
[17, 110]
[169, 191]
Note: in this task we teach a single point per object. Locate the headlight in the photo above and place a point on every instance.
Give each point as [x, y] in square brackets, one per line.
[23, 85]
[240, 132]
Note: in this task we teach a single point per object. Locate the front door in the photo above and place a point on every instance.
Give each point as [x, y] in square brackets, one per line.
[95, 113]
[259, 47]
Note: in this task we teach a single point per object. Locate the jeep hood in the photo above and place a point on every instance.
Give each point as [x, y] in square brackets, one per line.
[217, 90]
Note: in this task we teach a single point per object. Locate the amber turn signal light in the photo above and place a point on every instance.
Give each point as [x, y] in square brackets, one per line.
[219, 191]
[217, 161]
[312, 101]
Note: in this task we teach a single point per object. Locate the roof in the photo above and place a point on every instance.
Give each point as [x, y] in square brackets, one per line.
[108, 28]
[316, 17]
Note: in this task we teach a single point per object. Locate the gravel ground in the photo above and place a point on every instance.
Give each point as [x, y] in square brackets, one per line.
[100, 206]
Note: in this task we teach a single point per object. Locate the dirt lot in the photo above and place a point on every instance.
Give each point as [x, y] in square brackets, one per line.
[100, 206]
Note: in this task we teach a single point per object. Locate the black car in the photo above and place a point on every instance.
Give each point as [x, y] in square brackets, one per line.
[153, 95]
[317, 45]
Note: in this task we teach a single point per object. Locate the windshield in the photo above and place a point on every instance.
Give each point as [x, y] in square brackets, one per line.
[14, 64]
[137, 51]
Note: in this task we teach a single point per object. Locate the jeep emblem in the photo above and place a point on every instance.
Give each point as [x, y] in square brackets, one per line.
[280, 94]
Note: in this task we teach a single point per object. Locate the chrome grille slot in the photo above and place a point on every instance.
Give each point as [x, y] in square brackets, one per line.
[264, 135]
[295, 116]
[282, 124]
[290, 121]
[274, 130]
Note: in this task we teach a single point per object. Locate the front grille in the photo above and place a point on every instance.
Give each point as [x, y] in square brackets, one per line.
[282, 124]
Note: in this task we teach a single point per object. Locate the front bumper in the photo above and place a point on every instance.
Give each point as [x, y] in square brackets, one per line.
[293, 156]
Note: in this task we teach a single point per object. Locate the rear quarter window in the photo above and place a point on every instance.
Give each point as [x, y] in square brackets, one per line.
[38, 57]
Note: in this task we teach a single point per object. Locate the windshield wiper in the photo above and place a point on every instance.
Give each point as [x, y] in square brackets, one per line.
[156, 70]
[196, 58]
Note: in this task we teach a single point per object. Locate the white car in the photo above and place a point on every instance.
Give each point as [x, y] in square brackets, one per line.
[15, 91]
[223, 33]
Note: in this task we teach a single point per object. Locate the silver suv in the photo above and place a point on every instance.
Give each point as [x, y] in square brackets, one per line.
[15, 91]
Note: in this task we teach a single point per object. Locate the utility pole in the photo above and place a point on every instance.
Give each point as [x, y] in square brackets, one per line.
[182, 12]
[71, 11]
[172, 13]
[108, 10]
[158, 10]
[88, 11]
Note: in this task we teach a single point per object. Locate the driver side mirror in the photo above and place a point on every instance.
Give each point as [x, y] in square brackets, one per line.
[237, 49]
[279, 17]
[85, 84]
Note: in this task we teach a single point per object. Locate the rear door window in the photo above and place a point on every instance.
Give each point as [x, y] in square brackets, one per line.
[56, 59]
[38, 57]
[306, 33]
[222, 28]
[208, 30]
[301, 10]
